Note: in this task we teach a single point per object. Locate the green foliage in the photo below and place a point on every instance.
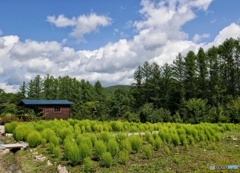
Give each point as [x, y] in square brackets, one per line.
[105, 136]
[10, 127]
[106, 159]
[166, 149]
[123, 157]
[100, 148]
[175, 139]
[157, 143]
[195, 110]
[148, 151]
[54, 140]
[71, 151]
[85, 150]
[136, 142]
[21, 132]
[48, 134]
[88, 165]
[125, 145]
[57, 151]
[34, 139]
[113, 147]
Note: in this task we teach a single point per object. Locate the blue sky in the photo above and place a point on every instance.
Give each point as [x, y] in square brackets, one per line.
[105, 40]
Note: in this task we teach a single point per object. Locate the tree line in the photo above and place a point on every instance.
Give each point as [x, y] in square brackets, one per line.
[197, 87]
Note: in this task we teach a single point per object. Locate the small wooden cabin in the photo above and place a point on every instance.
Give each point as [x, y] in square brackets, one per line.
[48, 109]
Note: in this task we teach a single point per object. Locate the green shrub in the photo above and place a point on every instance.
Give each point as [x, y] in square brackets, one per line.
[47, 134]
[10, 127]
[166, 149]
[21, 132]
[105, 136]
[112, 147]
[168, 137]
[136, 142]
[88, 165]
[100, 148]
[117, 126]
[85, 150]
[125, 145]
[57, 151]
[64, 132]
[106, 159]
[43, 142]
[71, 151]
[54, 139]
[191, 139]
[120, 136]
[147, 150]
[182, 138]
[175, 139]
[34, 139]
[123, 157]
[157, 143]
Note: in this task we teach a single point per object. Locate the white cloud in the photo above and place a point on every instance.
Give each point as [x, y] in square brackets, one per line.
[233, 30]
[61, 21]
[197, 37]
[159, 38]
[82, 25]
[8, 88]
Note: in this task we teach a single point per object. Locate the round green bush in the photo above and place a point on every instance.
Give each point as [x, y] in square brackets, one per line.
[100, 148]
[57, 151]
[71, 151]
[106, 159]
[85, 150]
[123, 157]
[10, 127]
[112, 147]
[125, 145]
[54, 139]
[148, 151]
[175, 139]
[157, 143]
[136, 142]
[105, 136]
[34, 139]
[88, 165]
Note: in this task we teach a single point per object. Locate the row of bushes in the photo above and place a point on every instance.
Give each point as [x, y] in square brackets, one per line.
[67, 140]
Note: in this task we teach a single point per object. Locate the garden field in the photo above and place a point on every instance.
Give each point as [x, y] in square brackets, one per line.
[115, 146]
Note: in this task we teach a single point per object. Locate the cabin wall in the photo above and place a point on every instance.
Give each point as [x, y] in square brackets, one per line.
[49, 113]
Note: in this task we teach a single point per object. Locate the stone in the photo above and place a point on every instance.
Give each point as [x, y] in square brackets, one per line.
[6, 151]
[62, 169]
[8, 134]
[49, 163]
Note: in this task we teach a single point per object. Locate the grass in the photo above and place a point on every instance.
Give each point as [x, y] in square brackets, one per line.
[171, 155]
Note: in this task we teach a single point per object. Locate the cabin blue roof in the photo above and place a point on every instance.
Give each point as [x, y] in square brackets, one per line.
[44, 102]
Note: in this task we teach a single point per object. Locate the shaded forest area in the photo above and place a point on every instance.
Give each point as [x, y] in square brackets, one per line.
[198, 87]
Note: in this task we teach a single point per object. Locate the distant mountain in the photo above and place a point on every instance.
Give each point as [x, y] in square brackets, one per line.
[111, 89]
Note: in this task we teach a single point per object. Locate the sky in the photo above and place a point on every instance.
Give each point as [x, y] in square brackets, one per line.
[105, 40]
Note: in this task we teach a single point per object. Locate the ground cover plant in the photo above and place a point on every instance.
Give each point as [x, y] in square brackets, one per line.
[100, 145]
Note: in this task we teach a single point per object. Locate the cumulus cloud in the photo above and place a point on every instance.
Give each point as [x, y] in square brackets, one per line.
[158, 38]
[198, 37]
[82, 25]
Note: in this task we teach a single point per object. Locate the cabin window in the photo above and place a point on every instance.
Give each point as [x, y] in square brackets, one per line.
[57, 109]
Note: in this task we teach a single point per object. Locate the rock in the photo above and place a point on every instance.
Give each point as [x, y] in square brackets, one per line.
[6, 151]
[8, 134]
[35, 153]
[40, 158]
[49, 163]
[62, 169]
[234, 139]
[236, 145]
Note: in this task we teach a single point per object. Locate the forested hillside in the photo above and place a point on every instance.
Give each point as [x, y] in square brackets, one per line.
[198, 87]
